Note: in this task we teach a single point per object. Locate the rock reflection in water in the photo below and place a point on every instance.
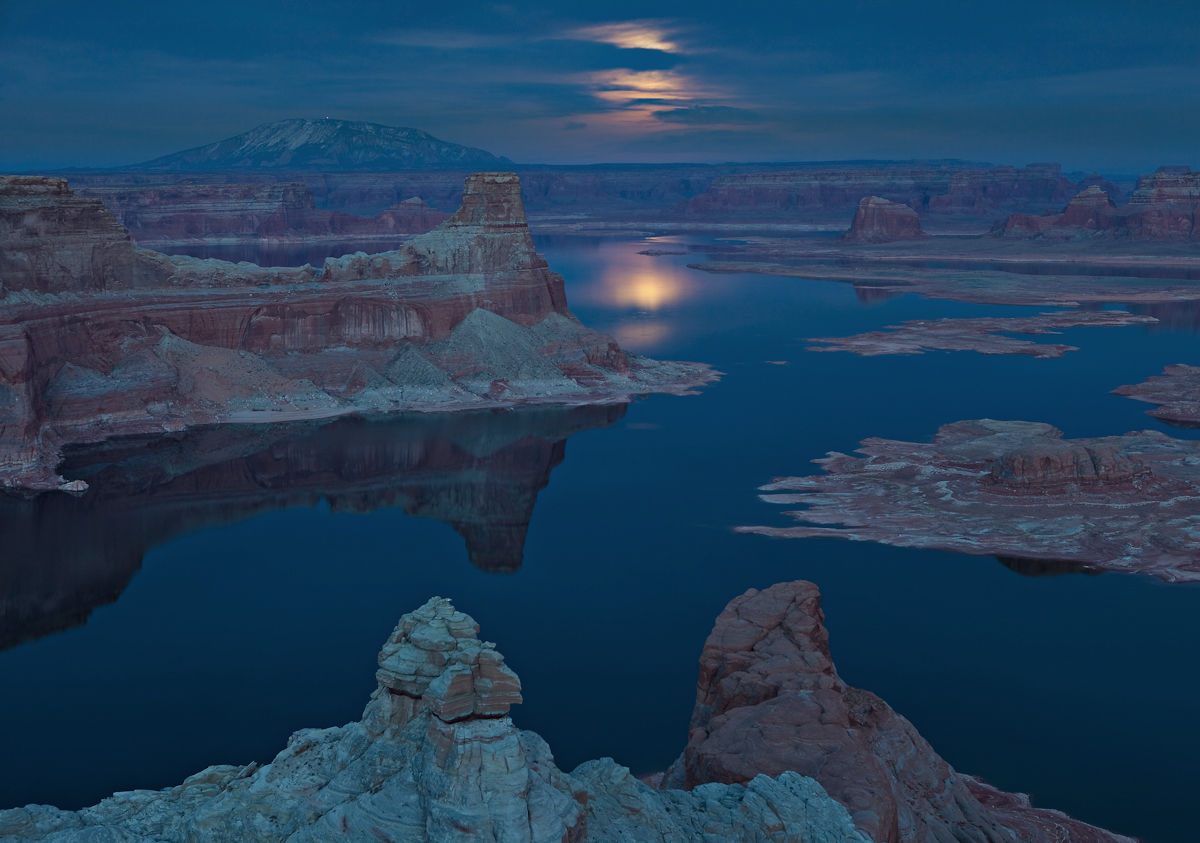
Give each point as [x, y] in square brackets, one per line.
[480, 473]
[1046, 567]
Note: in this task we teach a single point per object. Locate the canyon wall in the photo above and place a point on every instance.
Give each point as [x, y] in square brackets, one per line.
[952, 193]
[879, 221]
[466, 316]
[1164, 206]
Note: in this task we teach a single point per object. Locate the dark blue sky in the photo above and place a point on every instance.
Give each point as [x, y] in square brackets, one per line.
[1109, 85]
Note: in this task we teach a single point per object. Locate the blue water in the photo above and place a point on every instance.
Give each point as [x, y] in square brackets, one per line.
[256, 614]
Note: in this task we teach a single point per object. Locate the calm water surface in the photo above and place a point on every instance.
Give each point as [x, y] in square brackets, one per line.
[245, 579]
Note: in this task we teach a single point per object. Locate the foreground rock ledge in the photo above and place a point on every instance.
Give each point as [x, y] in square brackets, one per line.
[1013, 489]
[99, 338]
[780, 748]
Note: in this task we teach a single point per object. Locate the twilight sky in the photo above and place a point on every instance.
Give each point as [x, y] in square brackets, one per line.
[1108, 85]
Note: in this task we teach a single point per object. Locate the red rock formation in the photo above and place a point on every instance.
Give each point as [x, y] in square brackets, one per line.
[880, 221]
[1175, 394]
[465, 316]
[250, 212]
[1164, 207]
[769, 699]
[1013, 489]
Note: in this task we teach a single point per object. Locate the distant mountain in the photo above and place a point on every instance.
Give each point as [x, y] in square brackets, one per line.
[301, 144]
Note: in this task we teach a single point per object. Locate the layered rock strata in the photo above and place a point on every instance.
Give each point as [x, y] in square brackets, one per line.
[985, 335]
[479, 473]
[769, 700]
[879, 221]
[200, 214]
[134, 342]
[1163, 207]
[1175, 395]
[964, 192]
[1012, 489]
[436, 759]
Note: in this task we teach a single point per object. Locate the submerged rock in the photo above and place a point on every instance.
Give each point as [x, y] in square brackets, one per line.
[437, 758]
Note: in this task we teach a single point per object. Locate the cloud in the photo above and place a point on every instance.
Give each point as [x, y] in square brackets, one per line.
[708, 115]
[629, 35]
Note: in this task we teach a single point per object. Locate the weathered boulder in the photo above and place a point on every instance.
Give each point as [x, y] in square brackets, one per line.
[880, 221]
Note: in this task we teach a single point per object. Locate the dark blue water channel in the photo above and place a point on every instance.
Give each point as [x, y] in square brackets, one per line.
[242, 598]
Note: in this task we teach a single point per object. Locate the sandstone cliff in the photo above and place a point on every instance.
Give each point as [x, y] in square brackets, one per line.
[880, 221]
[436, 759]
[1164, 207]
[769, 700]
[99, 338]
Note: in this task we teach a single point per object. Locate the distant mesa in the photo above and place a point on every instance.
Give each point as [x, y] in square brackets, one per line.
[332, 145]
[881, 221]
[1165, 206]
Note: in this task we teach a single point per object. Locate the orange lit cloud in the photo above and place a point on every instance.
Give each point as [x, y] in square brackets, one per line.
[629, 35]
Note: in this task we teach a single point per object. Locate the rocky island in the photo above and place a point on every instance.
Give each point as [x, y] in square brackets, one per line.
[781, 749]
[1012, 489]
[100, 338]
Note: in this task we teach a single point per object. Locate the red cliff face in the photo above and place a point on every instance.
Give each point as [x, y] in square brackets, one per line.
[769, 699]
[466, 316]
[1164, 207]
[881, 221]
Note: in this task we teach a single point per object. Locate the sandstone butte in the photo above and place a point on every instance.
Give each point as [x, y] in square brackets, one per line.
[100, 338]
[879, 221]
[1016, 490]
[478, 472]
[780, 750]
[1163, 207]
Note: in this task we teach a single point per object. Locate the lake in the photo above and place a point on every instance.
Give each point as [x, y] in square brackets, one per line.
[240, 582]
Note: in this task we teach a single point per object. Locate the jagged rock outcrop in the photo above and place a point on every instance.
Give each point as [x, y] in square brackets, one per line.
[304, 144]
[1013, 489]
[880, 221]
[769, 700]
[466, 316]
[436, 759]
[1164, 207]
[174, 214]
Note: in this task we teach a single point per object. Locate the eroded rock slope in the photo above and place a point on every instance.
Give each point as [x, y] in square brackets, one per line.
[100, 338]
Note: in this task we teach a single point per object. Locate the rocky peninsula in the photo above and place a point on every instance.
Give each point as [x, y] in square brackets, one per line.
[100, 338]
[1175, 395]
[1012, 489]
[781, 749]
